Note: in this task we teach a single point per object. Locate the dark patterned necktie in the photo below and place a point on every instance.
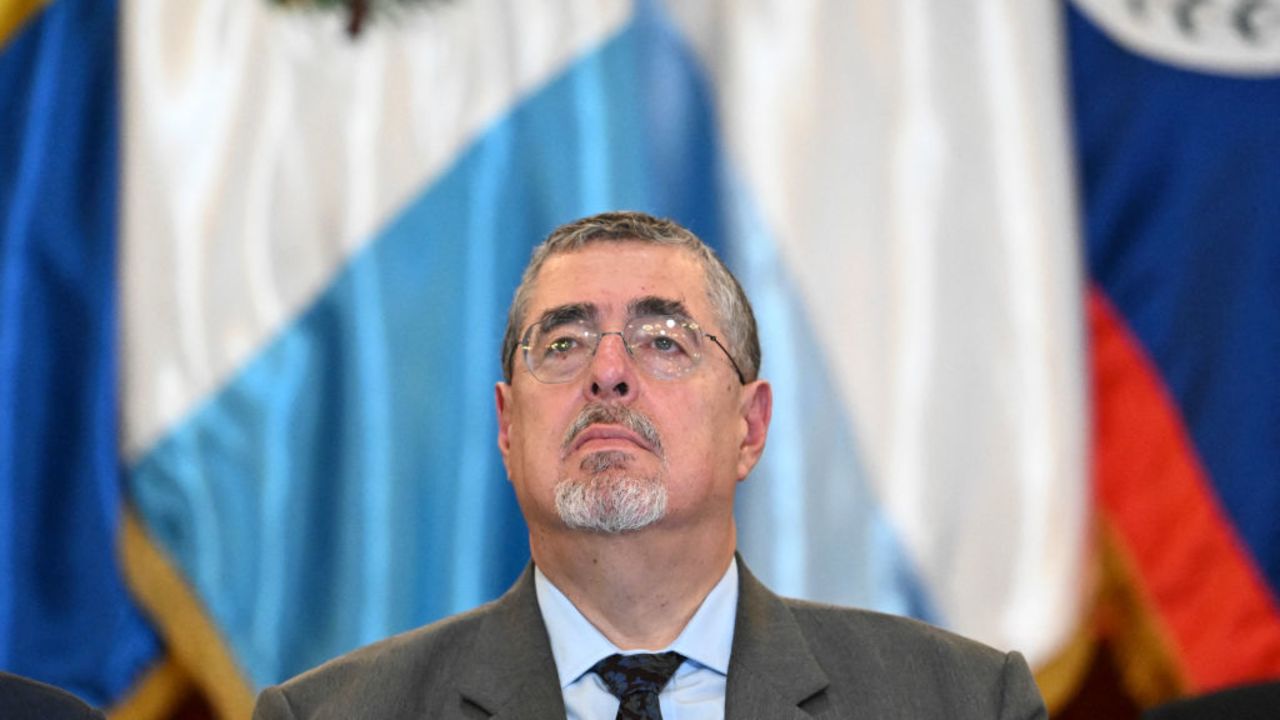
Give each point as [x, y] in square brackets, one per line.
[636, 680]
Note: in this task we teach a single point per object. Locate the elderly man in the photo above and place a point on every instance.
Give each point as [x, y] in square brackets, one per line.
[630, 411]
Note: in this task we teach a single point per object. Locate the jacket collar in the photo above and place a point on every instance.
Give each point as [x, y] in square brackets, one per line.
[772, 670]
[510, 672]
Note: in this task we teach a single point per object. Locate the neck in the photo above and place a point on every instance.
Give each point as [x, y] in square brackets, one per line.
[639, 589]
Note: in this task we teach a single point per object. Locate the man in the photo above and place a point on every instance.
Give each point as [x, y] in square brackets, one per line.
[630, 411]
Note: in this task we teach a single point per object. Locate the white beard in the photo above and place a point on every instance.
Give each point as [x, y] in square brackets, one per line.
[608, 499]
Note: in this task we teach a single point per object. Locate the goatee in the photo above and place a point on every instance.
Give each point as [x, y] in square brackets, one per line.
[608, 498]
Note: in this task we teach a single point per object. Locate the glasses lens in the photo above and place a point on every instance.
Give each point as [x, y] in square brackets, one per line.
[556, 353]
[666, 347]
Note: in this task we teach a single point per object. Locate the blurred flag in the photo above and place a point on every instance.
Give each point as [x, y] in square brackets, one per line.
[1175, 109]
[319, 234]
[65, 614]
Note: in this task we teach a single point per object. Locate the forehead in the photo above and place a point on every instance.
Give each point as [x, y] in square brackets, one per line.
[609, 275]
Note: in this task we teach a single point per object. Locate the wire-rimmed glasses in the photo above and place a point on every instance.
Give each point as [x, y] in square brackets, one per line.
[666, 347]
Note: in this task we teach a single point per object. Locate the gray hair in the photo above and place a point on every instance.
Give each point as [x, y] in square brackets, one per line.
[727, 299]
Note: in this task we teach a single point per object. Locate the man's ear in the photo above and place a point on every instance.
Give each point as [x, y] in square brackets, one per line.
[502, 398]
[756, 410]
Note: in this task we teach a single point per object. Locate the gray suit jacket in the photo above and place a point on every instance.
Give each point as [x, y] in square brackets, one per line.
[790, 659]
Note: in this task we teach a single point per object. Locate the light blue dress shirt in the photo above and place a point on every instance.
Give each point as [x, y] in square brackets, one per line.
[697, 690]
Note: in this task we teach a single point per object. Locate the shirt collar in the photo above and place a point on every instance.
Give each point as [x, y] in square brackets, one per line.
[577, 645]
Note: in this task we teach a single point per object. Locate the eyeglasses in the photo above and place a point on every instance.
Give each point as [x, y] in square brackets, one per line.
[664, 346]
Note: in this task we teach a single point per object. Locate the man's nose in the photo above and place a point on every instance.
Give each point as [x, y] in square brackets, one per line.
[611, 374]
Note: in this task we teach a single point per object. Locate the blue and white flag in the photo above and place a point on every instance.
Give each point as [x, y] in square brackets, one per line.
[319, 235]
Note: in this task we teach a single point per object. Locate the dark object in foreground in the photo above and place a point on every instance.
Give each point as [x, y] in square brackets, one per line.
[25, 699]
[1247, 702]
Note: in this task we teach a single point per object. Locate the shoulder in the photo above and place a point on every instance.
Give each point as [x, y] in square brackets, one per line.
[910, 664]
[392, 677]
[886, 636]
[22, 697]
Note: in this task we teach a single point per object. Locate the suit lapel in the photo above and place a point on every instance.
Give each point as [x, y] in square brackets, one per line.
[509, 670]
[771, 670]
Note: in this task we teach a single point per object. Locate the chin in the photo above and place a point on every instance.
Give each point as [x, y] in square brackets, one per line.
[612, 501]
[605, 461]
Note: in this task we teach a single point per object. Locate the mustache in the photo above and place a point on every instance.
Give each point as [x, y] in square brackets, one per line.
[597, 413]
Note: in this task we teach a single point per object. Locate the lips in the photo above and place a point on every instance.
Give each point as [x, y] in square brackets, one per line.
[601, 421]
[607, 432]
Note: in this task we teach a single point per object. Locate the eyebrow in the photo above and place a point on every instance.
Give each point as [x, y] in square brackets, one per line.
[589, 312]
[573, 312]
[654, 305]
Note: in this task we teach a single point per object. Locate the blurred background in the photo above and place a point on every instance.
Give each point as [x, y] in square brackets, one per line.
[1016, 265]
